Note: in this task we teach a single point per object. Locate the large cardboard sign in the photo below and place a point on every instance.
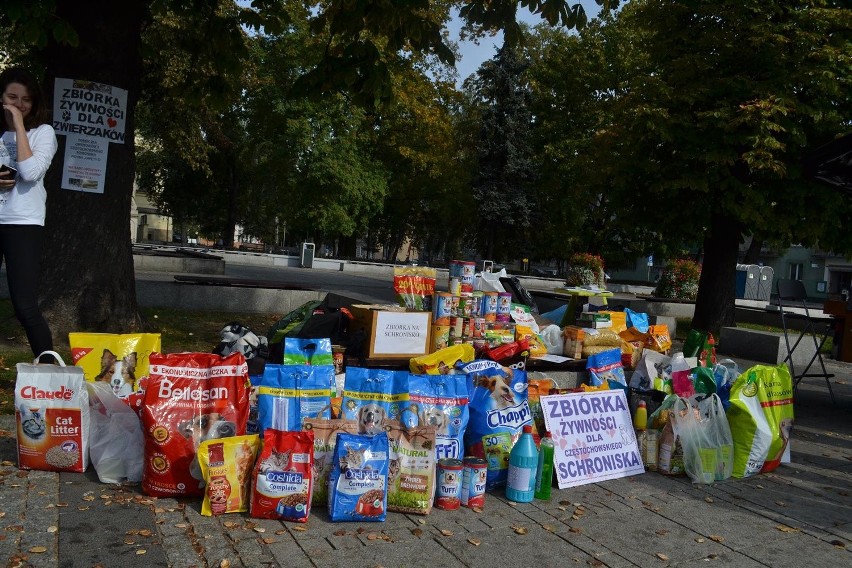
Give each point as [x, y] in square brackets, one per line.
[593, 435]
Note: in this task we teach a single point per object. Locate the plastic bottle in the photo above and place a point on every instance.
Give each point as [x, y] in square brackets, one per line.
[640, 417]
[544, 473]
[523, 463]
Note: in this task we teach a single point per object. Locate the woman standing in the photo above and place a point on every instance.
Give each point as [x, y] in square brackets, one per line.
[29, 144]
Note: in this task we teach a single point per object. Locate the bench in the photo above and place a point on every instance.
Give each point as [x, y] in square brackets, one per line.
[762, 346]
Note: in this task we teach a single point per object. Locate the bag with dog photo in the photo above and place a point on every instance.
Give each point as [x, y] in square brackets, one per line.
[440, 401]
[325, 436]
[372, 396]
[191, 397]
[288, 394]
[499, 409]
[120, 360]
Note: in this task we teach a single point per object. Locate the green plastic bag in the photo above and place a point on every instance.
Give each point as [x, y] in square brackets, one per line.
[703, 380]
[701, 345]
[761, 418]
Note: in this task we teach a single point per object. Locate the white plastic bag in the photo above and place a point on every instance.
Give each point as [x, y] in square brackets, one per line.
[551, 335]
[702, 427]
[490, 281]
[115, 436]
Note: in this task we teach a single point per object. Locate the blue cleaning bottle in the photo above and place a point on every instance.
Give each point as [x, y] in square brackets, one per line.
[523, 463]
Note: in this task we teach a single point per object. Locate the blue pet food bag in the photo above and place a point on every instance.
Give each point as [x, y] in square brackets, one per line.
[357, 487]
[373, 396]
[287, 394]
[440, 401]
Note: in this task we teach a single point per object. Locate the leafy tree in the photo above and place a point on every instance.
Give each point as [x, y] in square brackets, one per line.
[711, 126]
[505, 171]
[100, 43]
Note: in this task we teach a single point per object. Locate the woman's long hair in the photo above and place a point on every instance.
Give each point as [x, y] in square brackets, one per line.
[38, 114]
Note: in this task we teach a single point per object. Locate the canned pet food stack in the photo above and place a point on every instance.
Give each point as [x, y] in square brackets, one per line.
[449, 483]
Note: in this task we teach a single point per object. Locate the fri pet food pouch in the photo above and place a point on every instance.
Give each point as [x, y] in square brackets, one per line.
[52, 417]
[190, 398]
[226, 465]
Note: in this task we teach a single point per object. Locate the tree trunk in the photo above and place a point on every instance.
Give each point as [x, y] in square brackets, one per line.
[87, 281]
[752, 255]
[715, 305]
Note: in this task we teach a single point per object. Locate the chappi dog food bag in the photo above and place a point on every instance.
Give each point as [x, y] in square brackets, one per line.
[498, 411]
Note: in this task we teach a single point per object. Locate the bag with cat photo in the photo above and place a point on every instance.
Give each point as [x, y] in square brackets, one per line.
[325, 437]
[411, 468]
[359, 478]
[283, 477]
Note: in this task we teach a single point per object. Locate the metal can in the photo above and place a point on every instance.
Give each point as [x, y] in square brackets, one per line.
[442, 308]
[468, 276]
[448, 483]
[504, 306]
[474, 475]
[440, 337]
[478, 301]
[489, 310]
[477, 327]
[466, 304]
[455, 286]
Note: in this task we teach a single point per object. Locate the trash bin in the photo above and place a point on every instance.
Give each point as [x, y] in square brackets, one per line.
[308, 250]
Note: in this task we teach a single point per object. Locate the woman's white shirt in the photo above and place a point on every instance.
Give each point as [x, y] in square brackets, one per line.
[25, 203]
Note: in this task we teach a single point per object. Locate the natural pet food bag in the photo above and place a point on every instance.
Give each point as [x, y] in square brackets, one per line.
[411, 468]
[373, 396]
[498, 411]
[358, 486]
[226, 465]
[761, 418]
[120, 360]
[288, 394]
[52, 417]
[325, 437]
[190, 398]
[283, 476]
[439, 401]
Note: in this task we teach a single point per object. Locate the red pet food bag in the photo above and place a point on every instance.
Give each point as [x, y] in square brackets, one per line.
[190, 398]
[283, 476]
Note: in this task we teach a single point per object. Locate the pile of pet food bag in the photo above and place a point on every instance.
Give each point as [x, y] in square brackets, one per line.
[294, 436]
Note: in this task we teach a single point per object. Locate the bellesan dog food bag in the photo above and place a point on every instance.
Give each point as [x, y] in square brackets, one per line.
[498, 411]
[325, 437]
[190, 398]
[411, 468]
[439, 401]
[283, 476]
[357, 488]
[52, 417]
[288, 394]
[120, 360]
[226, 465]
[373, 396]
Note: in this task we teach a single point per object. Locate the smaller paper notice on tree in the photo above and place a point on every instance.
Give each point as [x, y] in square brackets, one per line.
[594, 437]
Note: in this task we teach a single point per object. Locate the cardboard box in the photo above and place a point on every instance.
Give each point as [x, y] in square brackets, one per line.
[393, 333]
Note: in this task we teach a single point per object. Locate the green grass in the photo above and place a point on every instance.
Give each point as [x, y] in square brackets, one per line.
[180, 330]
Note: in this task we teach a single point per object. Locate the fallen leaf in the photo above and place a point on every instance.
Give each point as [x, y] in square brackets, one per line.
[299, 528]
[181, 526]
[565, 502]
[268, 540]
[474, 541]
[838, 543]
[662, 557]
[476, 509]
[662, 532]
[341, 532]
[2, 514]
[230, 524]
[446, 532]
[712, 556]
[280, 531]
[129, 541]
[785, 528]
[575, 517]
[759, 486]
[596, 562]
[225, 564]
[372, 536]
[250, 525]
[575, 530]
[549, 528]
[562, 508]
[52, 529]
[781, 503]
[132, 531]
[521, 530]
[88, 497]
[716, 538]
[140, 552]
[82, 508]
[699, 539]
[259, 530]
[417, 531]
[38, 549]
[708, 499]
[421, 521]
[145, 532]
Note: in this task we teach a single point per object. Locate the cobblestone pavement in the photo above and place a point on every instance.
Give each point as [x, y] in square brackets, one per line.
[801, 514]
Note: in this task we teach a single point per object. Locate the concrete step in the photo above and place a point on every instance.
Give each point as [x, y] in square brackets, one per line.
[765, 346]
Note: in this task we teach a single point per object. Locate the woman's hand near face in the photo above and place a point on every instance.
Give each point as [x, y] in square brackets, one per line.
[14, 117]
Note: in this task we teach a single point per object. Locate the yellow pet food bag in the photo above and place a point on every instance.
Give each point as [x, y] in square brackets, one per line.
[118, 359]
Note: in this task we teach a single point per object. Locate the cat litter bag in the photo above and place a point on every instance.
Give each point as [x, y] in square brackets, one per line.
[359, 478]
[373, 396]
[499, 409]
[283, 476]
[288, 394]
[439, 401]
